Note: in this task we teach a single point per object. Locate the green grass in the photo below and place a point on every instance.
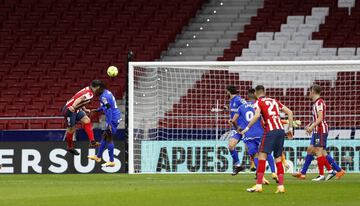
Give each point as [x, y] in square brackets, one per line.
[172, 190]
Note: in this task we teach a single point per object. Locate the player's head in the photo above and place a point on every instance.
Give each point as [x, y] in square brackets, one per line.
[97, 85]
[231, 90]
[251, 94]
[315, 90]
[259, 91]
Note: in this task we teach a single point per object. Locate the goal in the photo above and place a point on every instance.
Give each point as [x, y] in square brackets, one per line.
[177, 123]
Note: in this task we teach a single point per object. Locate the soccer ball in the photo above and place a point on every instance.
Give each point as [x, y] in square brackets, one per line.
[112, 71]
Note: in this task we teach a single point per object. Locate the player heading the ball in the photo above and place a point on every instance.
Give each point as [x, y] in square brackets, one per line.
[75, 111]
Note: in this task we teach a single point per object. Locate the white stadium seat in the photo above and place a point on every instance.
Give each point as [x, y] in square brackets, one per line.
[295, 20]
[282, 36]
[348, 51]
[327, 52]
[249, 52]
[288, 28]
[264, 36]
[288, 52]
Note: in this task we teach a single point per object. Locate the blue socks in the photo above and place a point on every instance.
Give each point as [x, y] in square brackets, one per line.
[235, 157]
[111, 151]
[256, 161]
[110, 147]
[270, 160]
[101, 148]
[307, 163]
[333, 163]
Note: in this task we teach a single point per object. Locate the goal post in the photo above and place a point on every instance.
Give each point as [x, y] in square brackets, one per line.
[177, 123]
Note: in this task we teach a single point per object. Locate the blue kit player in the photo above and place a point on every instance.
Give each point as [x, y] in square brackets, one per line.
[235, 102]
[252, 138]
[113, 118]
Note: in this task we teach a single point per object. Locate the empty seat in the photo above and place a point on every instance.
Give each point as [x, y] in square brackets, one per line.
[249, 52]
[294, 45]
[281, 36]
[306, 28]
[276, 45]
[288, 52]
[313, 44]
[269, 52]
[346, 51]
[295, 20]
[313, 20]
[327, 52]
[319, 11]
[286, 28]
[300, 36]
[255, 45]
[309, 52]
[264, 36]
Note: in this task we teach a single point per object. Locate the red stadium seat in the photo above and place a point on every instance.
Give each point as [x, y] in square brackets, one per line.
[55, 124]
[17, 124]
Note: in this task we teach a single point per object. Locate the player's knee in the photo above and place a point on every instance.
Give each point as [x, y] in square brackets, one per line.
[231, 147]
[310, 150]
[70, 130]
[85, 120]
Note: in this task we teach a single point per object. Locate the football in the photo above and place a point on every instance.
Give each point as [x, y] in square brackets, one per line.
[112, 71]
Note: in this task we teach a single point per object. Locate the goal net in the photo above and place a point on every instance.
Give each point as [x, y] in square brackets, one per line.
[177, 123]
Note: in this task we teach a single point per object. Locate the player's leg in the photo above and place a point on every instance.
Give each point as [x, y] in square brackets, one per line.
[308, 159]
[270, 160]
[278, 150]
[101, 148]
[233, 141]
[331, 162]
[70, 118]
[110, 146]
[85, 120]
[266, 147]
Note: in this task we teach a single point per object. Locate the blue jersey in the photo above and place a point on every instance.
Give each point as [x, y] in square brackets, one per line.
[109, 107]
[246, 113]
[235, 104]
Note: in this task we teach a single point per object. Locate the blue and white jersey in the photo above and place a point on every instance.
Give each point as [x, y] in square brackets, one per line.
[234, 105]
[246, 113]
[109, 107]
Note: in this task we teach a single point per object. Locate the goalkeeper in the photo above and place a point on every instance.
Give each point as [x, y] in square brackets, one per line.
[113, 118]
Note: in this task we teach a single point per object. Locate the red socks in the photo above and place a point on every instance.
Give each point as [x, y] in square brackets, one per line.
[260, 171]
[321, 162]
[327, 165]
[280, 172]
[89, 131]
[69, 140]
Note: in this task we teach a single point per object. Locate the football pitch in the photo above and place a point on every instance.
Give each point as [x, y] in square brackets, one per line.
[199, 189]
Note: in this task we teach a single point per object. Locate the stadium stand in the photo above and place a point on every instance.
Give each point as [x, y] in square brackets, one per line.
[302, 30]
[211, 30]
[50, 49]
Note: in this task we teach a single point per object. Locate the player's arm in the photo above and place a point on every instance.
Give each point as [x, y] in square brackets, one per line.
[290, 119]
[316, 123]
[107, 110]
[233, 122]
[253, 120]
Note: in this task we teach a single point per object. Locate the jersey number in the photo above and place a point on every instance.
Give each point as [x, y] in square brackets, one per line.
[249, 115]
[271, 110]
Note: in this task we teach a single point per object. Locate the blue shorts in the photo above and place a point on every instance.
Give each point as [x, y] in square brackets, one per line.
[71, 118]
[319, 139]
[114, 125]
[273, 141]
[252, 144]
[234, 134]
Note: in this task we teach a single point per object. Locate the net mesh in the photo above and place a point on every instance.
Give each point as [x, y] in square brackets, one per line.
[179, 124]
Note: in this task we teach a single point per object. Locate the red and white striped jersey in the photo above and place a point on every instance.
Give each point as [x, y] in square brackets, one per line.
[86, 92]
[270, 111]
[319, 106]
